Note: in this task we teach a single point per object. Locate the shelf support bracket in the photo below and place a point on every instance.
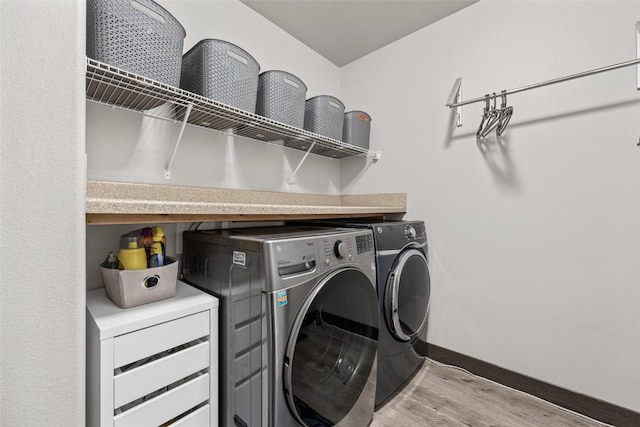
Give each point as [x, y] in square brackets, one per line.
[167, 170]
[454, 97]
[287, 184]
[638, 54]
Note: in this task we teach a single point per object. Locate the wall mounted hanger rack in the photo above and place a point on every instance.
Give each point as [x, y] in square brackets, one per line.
[455, 96]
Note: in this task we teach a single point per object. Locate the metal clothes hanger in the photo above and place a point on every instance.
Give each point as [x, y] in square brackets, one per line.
[485, 114]
[505, 114]
[493, 119]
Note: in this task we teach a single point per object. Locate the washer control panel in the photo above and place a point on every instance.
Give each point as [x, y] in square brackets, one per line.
[346, 248]
[340, 249]
[288, 259]
[364, 243]
[337, 249]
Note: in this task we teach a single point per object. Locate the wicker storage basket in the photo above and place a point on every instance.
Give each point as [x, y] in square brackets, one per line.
[223, 72]
[138, 36]
[324, 115]
[356, 129]
[281, 97]
[130, 288]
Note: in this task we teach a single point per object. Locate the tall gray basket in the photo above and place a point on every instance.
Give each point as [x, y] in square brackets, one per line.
[281, 97]
[138, 36]
[324, 115]
[357, 126]
[223, 72]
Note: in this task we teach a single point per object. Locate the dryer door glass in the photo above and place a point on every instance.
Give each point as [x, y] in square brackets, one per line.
[407, 295]
[331, 353]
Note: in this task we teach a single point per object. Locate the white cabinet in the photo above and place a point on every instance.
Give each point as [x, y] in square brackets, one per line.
[155, 364]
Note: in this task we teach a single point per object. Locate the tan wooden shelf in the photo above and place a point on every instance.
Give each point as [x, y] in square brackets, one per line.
[129, 203]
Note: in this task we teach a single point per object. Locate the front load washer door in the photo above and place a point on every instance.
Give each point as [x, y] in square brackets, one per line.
[332, 348]
[407, 295]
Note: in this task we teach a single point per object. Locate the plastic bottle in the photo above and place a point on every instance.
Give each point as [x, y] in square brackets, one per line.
[111, 261]
[143, 237]
[157, 250]
[157, 257]
[132, 242]
[158, 236]
[132, 257]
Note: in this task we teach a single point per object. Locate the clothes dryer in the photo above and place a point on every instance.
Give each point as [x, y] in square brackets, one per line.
[404, 288]
[310, 352]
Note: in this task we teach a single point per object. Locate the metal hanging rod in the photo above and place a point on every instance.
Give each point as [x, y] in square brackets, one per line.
[456, 87]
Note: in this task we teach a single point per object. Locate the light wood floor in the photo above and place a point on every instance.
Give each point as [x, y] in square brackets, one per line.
[444, 396]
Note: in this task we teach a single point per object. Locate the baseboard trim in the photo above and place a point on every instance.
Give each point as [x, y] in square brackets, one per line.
[583, 404]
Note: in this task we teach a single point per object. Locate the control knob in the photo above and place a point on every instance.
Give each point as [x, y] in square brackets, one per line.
[340, 249]
[410, 232]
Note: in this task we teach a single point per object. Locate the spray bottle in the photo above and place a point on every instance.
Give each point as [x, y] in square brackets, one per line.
[157, 249]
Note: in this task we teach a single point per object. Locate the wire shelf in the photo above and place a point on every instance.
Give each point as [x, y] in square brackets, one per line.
[112, 86]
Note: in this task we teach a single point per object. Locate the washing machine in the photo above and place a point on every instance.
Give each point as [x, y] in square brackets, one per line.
[404, 288]
[302, 351]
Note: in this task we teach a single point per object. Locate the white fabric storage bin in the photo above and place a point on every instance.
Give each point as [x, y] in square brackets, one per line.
[130, 288]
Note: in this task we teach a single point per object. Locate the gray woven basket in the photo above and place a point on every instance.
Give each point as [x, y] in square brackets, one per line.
[221, 71]
[138, 36]
[324, 115]
[281, 97]
[357, 126]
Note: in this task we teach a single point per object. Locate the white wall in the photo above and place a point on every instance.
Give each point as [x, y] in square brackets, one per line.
[535, 243]
[127, 147]
[42, 194]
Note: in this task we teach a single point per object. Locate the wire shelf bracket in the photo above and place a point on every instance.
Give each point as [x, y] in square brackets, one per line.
[638, 54]
[167, 170]
[288, 183]
[373, 155]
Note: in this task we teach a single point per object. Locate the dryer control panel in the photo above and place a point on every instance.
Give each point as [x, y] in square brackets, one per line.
[395, 235]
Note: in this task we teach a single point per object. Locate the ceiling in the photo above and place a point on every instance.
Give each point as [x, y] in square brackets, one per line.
[345, 30]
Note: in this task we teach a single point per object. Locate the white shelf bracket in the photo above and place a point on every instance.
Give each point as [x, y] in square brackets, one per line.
[376, 156]
[287, 184]
[454, 97]
[167, 170]
[638, 54]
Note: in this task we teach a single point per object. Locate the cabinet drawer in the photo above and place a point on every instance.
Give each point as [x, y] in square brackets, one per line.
[166, 406]
[152, 376]
[199, 418]
[147, 342]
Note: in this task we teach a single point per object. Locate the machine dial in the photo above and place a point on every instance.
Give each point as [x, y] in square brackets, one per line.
[340, 249]
[410, 232]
